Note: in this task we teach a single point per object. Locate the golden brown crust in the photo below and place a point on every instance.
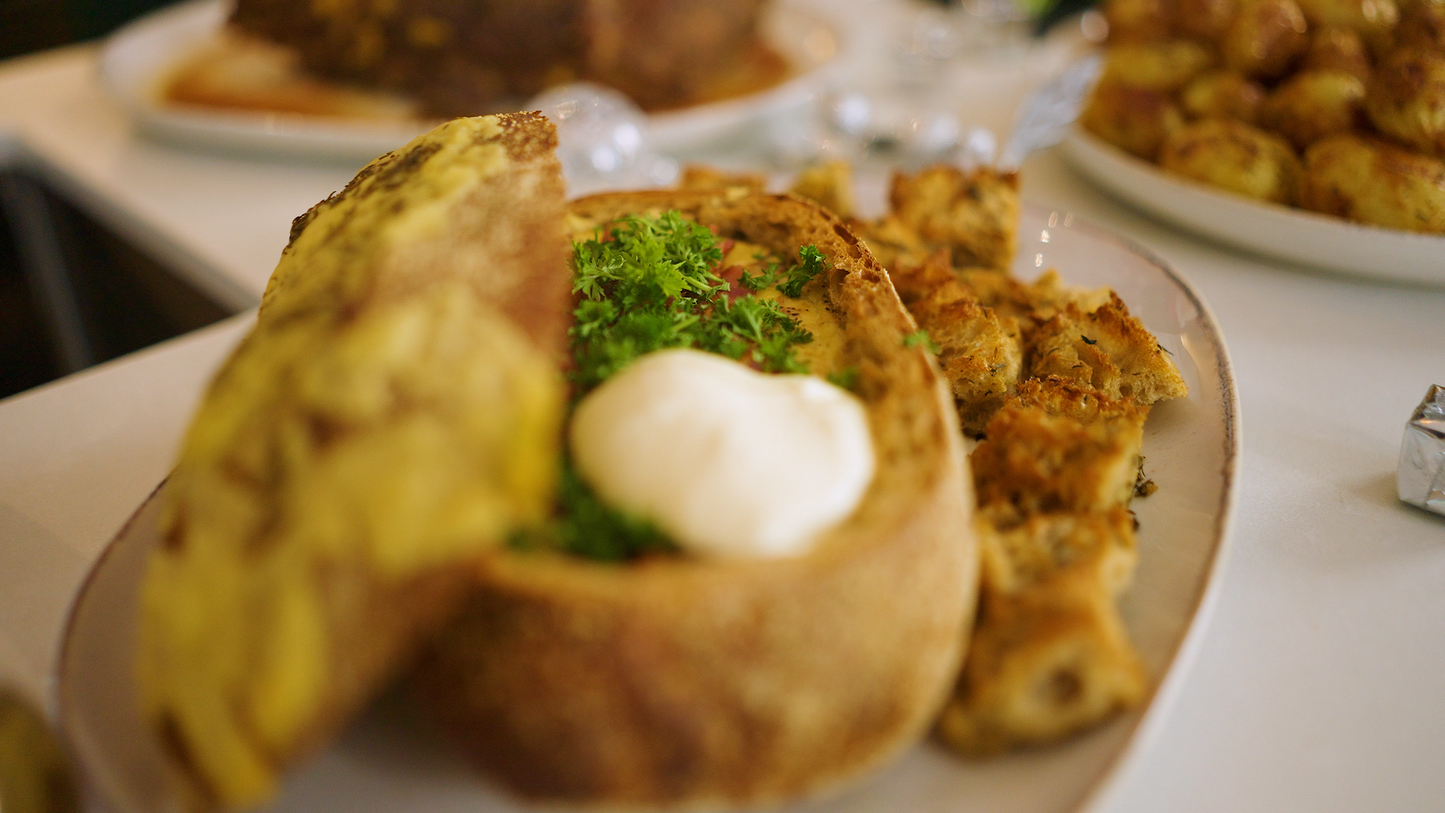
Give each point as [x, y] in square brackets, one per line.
[1133, 119]
[829, 184]
[1369, 180]
[507, 221]
[1108, 349]
[681, 681]
[705, 178]
[1044, 664]
[381, 427]
[981, 353]
[1406, 99]
[975, 214]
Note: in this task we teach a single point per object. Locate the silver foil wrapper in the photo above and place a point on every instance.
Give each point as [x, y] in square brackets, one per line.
[1421, 479]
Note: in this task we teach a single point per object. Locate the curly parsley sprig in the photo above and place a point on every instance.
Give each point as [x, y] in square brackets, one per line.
[649, 284]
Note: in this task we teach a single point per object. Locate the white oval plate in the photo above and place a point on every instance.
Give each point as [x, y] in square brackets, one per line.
[1280, 232]
[390, 762]
[137, 57]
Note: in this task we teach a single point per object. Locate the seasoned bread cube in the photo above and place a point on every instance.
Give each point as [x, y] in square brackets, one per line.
[1060, 396]
[1092, 553]
[973, 214]
[829, 184]
[1042, 665]
[704, 178]
[1028, 302]
[1041, 463]
[980, 353]
[1107, 349]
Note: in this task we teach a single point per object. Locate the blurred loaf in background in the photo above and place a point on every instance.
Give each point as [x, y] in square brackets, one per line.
[444, 59]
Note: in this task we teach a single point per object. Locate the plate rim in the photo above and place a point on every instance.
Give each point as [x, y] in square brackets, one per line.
[1150, 725]
[334, 137]
[1145, 730]
[1088, 154]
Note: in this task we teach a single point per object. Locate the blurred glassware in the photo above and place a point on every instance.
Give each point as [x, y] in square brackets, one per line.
[1045, 117]
[602, 139]
[919, 99]
[988, 29]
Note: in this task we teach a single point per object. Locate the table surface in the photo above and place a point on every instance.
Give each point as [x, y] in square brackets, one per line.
[1318, 683]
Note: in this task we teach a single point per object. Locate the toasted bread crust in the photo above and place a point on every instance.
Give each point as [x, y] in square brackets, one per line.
[383, 424]
[675, 680]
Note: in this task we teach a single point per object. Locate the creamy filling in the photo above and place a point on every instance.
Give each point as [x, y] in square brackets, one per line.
[726, 461]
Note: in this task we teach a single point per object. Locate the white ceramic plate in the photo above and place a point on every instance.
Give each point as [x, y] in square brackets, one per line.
[389, 762]
[138, 56]
[1280, 232]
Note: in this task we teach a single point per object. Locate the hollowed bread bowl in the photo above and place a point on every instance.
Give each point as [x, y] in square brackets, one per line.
[678, 680]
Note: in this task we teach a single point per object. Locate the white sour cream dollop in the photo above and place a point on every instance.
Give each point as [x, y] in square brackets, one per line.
[726, 461]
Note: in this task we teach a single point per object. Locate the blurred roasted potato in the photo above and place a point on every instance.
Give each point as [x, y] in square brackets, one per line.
[1313, 104]
[1375, 20]
[1137, 20]
[1338, 49]
[1234, 156]
[1406, 99]
[1422, 25]
[1370, 181]
[1133, 119]
[1222, 95]
[1265, 39]
[1203, 20]
[1165, 66]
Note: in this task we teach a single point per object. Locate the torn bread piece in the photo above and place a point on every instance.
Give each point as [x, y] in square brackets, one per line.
[1108, 349]
[974, 214]
[981, 354]
[389, 421]
[1094, 552]
[704, 178]
[1044, 663]
[830, 185]
[1030, 302]
[1039, 462]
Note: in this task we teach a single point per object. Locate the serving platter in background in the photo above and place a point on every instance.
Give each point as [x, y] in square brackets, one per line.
[137, 59]
[392, 760]
[1269, 229]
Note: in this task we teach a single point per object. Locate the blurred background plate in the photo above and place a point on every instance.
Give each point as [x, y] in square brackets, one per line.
[391, 761]
[137, 58]
[1272, 230]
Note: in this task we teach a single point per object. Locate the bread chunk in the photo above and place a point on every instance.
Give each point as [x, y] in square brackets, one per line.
[973, 214]
[1086, 552]
[1030, 303]
[1043, 463]
[830, 184]
[391, 418]
[981, 354]
[1042, 665]
[1107, 349]
[703, 178]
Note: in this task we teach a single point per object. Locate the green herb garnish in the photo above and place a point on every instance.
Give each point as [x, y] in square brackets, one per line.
[585, 526]
[650, 284]
[810, 264]
[920, 337]
[761, 281]
[846, 378]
